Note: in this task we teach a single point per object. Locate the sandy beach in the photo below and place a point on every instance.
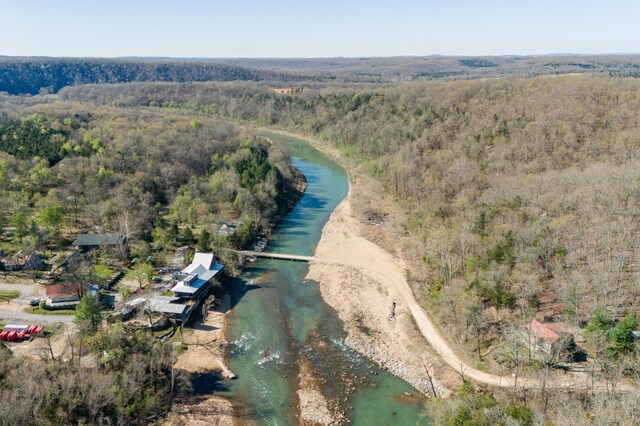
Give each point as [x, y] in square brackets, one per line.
[205, 354]
[364, 283]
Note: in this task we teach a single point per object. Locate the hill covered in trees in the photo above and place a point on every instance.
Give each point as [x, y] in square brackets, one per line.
[160, 180]
[49, 75]
[493, 158]
[412, 68]
[520, 199]
[148, 176]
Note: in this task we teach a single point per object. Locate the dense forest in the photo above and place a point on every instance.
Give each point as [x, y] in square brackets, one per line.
[49, 75]
[520, 200]
[120, 171]
[439, 67]
[159, 180]
[134, 383]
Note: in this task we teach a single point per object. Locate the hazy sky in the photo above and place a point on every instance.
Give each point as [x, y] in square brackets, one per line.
[287, 28]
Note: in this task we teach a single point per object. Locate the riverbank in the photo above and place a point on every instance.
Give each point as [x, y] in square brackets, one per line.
[363, 283]
[205, 355]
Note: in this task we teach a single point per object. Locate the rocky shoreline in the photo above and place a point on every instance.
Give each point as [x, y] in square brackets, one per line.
[313, 407]
[394, 366]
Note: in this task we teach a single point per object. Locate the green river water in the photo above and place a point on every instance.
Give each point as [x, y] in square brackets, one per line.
[279, 319]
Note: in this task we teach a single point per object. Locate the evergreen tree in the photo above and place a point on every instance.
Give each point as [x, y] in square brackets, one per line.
[88, 315]
[621, 336]
[204, 241]
[187, 236]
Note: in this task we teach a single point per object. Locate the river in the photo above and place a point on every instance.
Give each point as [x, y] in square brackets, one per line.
[279, 320]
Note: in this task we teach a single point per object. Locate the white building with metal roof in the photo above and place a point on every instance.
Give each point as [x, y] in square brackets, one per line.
[196, 279]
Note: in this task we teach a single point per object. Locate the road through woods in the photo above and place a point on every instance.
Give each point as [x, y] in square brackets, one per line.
[342, 246]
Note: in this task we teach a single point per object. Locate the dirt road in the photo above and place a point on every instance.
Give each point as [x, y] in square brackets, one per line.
[9, 316]
[341, 245]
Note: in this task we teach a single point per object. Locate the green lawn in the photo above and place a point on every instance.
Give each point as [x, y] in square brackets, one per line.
[38, 310]
[6, 296]
[103, 272]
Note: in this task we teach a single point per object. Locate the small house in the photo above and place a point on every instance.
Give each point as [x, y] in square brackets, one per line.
[19, 262]
[552, 340]
[60, 297]
[545, 335]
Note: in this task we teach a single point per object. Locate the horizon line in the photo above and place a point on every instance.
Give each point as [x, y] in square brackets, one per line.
[436, 55]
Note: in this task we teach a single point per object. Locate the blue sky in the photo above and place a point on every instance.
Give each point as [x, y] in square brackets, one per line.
[286, 28]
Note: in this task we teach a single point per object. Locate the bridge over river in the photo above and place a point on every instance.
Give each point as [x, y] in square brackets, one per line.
[282, 256]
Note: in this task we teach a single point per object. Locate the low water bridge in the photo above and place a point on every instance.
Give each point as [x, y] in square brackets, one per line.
[294, 257]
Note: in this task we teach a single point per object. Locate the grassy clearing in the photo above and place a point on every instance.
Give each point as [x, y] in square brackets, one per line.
[38, 310]
[6, 296]
[103, 272]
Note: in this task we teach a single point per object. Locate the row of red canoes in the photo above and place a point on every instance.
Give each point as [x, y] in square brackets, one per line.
[13, 335]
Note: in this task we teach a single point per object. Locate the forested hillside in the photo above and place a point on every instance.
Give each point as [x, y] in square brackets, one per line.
[521, 198]
[438, 67]
[49, 75]
[140, 174]
[159, 181]
[529, 176]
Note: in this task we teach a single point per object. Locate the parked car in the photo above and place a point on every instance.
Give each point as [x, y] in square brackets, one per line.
[36, 301]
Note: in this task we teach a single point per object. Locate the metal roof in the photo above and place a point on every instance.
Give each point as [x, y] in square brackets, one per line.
[202, 269]
[191, 287]
[98, 240]
[204, 259]
[163, 304]
[542, 331]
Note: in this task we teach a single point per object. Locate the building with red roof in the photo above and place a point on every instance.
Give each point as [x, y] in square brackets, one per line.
[549, 338]
[59, 296]
[542, 331]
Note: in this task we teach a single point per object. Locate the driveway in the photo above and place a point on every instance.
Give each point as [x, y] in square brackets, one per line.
[7, 316]
[24, 289]
[27, 292]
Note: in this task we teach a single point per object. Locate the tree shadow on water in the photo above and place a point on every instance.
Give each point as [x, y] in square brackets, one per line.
[208, 383]
[239, 291]
[312, 201]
